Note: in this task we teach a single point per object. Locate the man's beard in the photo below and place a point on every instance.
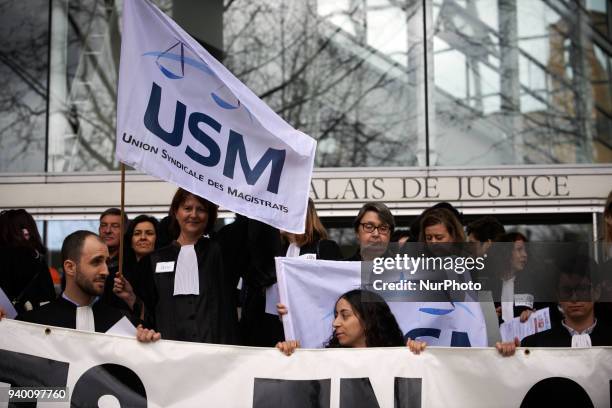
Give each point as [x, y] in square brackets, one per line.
[87, 286]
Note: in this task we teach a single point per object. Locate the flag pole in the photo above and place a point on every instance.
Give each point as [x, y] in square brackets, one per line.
[122, 226]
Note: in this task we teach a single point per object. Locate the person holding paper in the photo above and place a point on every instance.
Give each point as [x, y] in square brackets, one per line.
[185, 291]
[84, 257]
[361, 319]
[509, 258]
[577, 290]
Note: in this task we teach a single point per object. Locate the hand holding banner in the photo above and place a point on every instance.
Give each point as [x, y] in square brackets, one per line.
[184, 118]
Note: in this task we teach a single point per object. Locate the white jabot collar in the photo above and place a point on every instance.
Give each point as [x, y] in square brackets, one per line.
[507, 298]
[84, 314]
[580, 339]
[293, 251]
[187, 277]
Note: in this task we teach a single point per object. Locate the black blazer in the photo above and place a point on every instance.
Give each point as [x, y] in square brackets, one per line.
[559, 336]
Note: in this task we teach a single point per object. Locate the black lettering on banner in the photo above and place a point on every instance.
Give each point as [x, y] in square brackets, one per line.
[556, 392]
[109, 379]
[274, 393]
[407, 392]
[25, 370]
[357, 393]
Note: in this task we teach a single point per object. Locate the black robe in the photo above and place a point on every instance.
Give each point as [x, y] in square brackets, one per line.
[25, 277]
[559, 336]
[109, 297]
[259, 328]
[62, 313]
[209, 317]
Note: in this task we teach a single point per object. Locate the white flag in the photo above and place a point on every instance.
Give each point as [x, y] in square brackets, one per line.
[184, 118]
[310, 290]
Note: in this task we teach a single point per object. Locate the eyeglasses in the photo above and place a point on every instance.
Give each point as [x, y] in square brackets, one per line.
[583, 292]
[383, 229]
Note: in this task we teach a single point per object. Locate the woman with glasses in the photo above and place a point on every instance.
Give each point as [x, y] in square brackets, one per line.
[373, 226]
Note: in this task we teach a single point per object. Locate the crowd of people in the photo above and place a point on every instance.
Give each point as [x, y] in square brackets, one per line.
[179, 279]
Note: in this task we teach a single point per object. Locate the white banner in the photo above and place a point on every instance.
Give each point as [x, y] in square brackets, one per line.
[177, 374]
[183, 117]
[310, 289]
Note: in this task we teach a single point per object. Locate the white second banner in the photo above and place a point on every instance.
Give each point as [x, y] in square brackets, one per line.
[310, 288]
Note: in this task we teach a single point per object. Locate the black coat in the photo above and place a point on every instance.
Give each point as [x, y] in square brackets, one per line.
[109, 297]
[263, 244]
[62, 313]
[559, 336]
[25, 277]
[209, 317]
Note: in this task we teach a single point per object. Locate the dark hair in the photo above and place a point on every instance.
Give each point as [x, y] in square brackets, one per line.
[379, 208]
[512, 237]
[116, 211]
[379, 324]
[445, 217]
[12, 224]
[499, 256]
[179, 198]
[581, 266]
[141, 218]
[73, 245]
[449, 207]
[485, 229]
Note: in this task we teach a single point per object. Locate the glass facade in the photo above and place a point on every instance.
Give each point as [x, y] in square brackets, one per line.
[520, 82]
[24, 64]
[377, 82]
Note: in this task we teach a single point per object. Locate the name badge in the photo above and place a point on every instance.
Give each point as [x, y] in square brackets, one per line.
[524, 299]
[162, 267]
[312, 257]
